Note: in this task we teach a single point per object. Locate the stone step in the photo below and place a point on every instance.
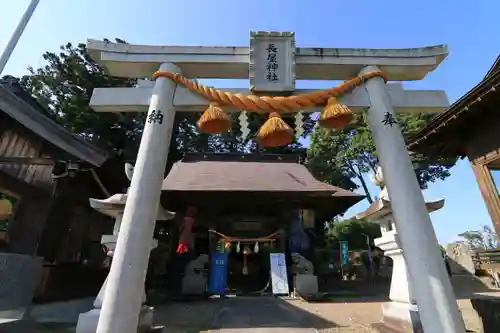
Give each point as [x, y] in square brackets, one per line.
[466, 285]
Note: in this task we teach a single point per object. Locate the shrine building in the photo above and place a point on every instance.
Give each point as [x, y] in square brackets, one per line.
[469, 128]
[251, 202]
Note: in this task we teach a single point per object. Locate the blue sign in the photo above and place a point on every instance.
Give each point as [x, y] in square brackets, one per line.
[218, 273]
[344, 252]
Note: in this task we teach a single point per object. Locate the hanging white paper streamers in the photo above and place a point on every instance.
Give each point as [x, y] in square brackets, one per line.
[245, 131]
[299, 128]
[256, 248]
[238, 247]
[316, 125]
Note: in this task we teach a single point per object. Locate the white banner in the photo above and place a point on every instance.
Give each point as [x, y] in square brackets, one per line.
[279, 277]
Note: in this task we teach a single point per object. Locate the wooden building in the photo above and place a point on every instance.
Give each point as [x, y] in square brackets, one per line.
[471, 128]
[46, 178]
[252, 203]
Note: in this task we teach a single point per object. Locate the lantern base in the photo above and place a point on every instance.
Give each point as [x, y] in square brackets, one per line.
[399, 317]
[87, 322]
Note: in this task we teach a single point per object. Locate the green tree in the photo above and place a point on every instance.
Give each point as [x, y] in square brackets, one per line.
[64, 87]
[484, 239]
[344, 157]
[353, 230]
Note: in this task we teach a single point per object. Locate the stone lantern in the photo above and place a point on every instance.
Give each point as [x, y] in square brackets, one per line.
[402, 310]
[114, 207]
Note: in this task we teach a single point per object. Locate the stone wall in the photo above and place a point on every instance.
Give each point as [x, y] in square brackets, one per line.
[19, 276]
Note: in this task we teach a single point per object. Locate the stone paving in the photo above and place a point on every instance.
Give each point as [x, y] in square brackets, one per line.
[241, 314]
[268, 314]
[254, 314]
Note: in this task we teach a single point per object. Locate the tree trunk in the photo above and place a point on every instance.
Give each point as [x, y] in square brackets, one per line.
[365, 188]
[362, 181]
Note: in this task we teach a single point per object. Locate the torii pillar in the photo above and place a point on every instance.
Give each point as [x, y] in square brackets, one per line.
[401, 313]
[429, 280]
[122, 304]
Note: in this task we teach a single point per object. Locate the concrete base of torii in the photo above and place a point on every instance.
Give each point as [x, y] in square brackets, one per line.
[114, 206]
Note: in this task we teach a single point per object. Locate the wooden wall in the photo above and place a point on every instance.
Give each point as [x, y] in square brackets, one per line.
[483, 142]
[31, 184]
[53, 218]
[483, 150]
[17, 141]
[27, 226]
[72, 223]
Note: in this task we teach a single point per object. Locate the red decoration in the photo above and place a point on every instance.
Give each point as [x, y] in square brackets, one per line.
[186, 230]
[182, 248]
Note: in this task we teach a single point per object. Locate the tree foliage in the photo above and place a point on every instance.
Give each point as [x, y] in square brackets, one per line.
[343, 157]
[353, 230]
[64, 87]
[484, 239]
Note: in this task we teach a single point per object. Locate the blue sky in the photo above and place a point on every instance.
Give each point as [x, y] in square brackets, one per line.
[466, 26]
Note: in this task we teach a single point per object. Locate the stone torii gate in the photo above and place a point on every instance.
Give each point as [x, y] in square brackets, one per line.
[273, 64]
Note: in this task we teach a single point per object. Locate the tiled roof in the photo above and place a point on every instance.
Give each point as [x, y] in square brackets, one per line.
[246, 176]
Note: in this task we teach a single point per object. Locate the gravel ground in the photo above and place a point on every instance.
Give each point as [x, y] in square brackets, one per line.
[356, 317]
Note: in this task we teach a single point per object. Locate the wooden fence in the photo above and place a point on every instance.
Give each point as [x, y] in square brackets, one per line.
[488, 261]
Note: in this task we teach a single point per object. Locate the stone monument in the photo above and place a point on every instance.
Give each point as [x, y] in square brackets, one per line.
[114, 207]
[194, 281]
[401, 313]
[19, 277]
[305, 282]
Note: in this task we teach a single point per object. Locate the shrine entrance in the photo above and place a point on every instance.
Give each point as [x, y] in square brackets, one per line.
[248, 273]
[272, 63]
[248, 262]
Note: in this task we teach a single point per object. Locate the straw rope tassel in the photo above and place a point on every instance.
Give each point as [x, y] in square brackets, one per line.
[335, 115]
[214, 120]
[275, 132]
[267, 104]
